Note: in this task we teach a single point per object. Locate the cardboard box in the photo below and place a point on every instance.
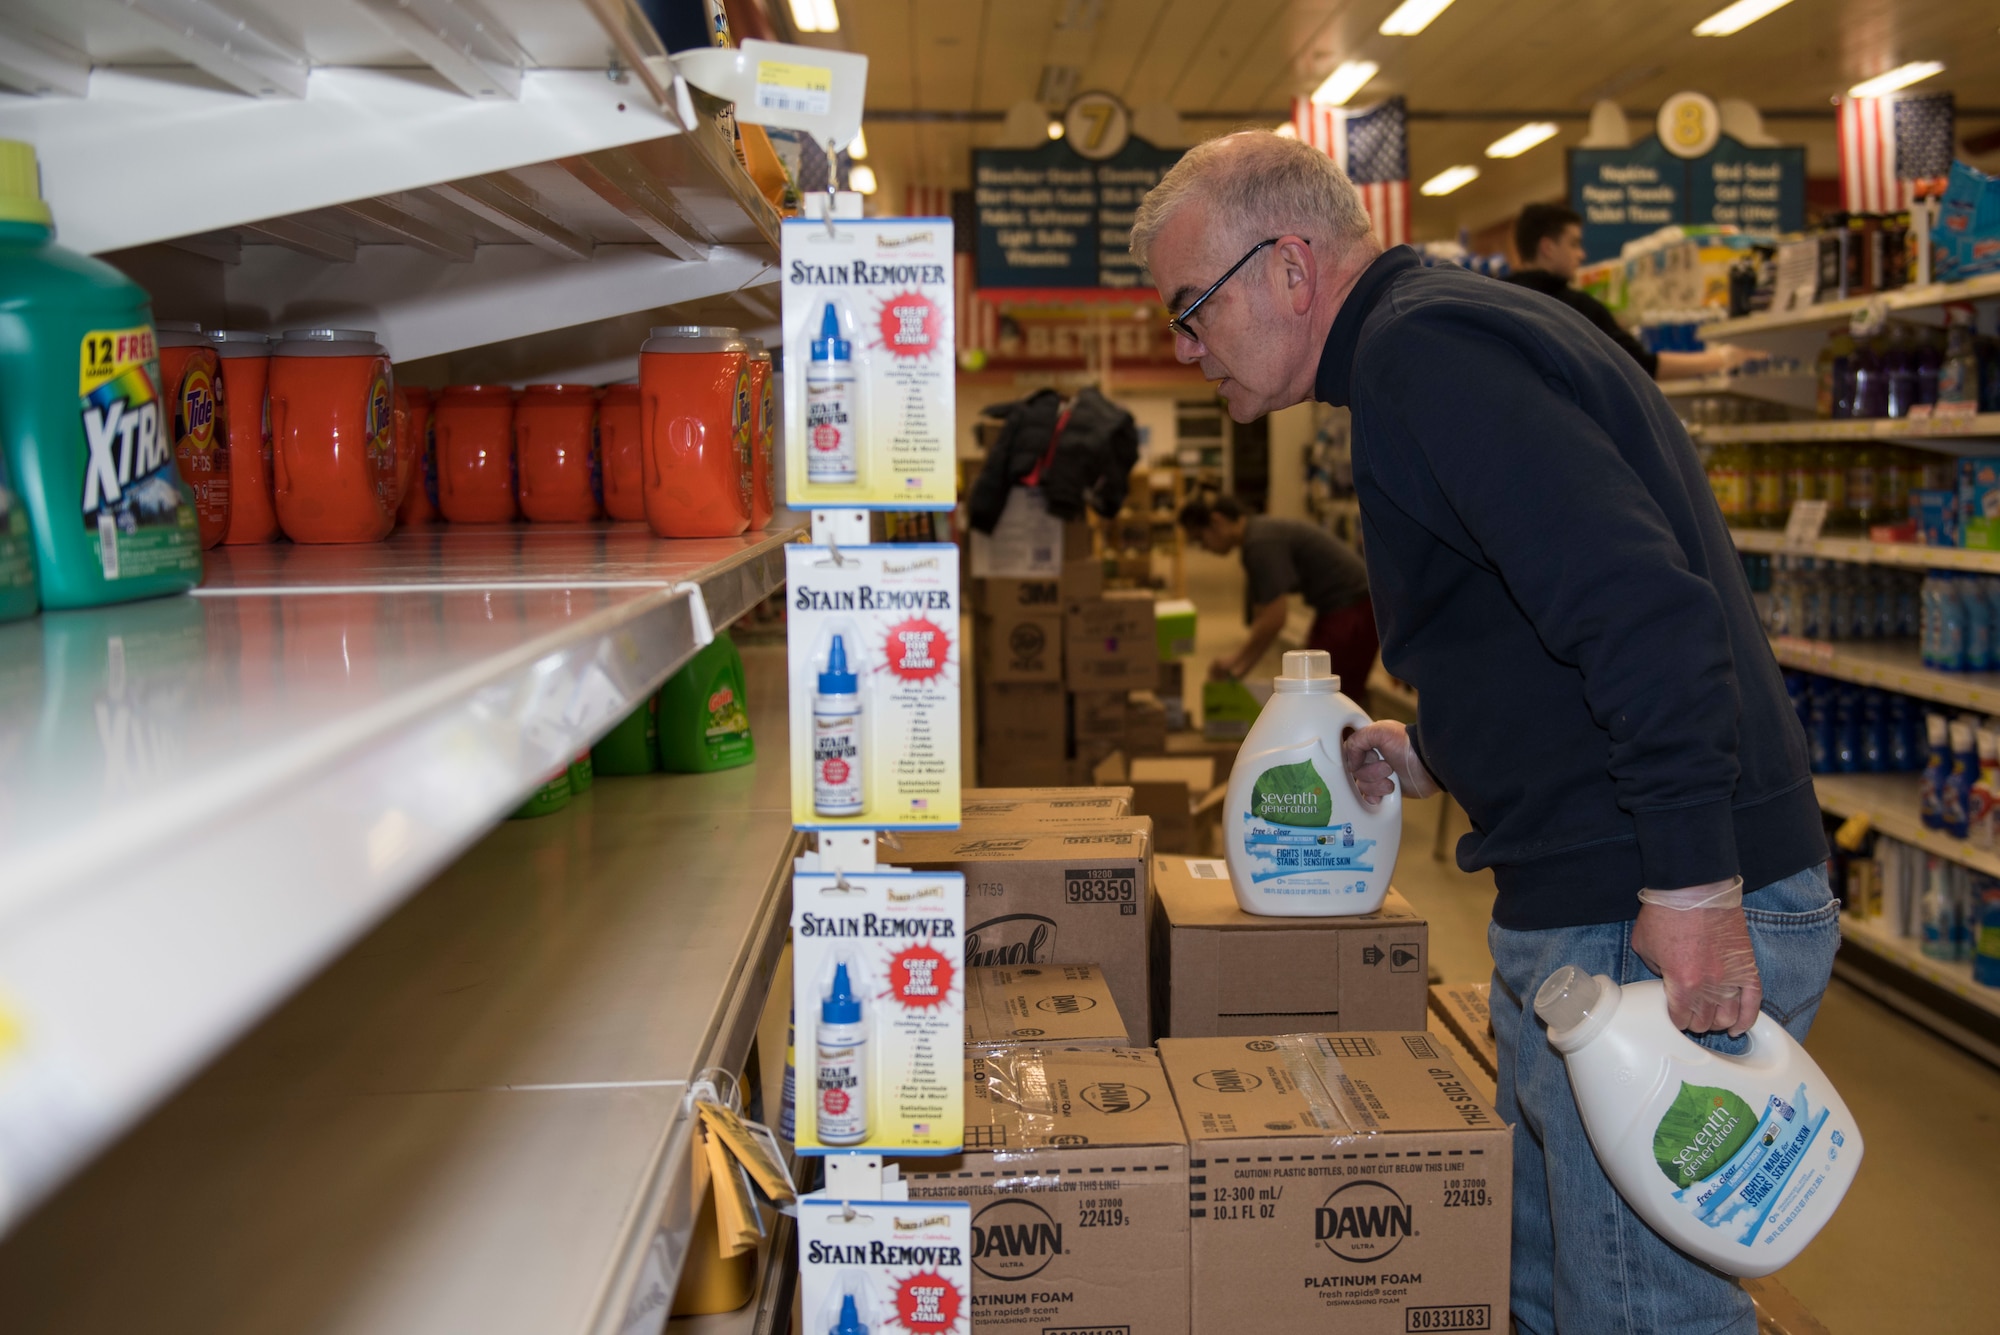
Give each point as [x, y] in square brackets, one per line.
[1023, 734]
[1145, 725]
[1041, 1005]
[1349, 1182]
[996, 595]
[1466, 1009]
[1075, 1165]
[1044, 806]
[1018, 645]
[1173, 694]
[1219, 970]
[1173, 628]
[1168, 789]
[1051, 896]
[1097, 716]
[1109, 644]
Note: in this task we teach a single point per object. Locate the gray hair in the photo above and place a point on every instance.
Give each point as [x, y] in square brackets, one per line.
[1260, 182]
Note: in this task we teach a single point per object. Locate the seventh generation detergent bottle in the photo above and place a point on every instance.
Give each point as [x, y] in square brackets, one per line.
[1299, 840]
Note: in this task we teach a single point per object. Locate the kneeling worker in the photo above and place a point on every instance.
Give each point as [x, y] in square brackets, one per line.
[1282, 557]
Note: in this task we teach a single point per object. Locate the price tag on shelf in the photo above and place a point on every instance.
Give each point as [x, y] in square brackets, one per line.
[1802, 529]
[783, 85]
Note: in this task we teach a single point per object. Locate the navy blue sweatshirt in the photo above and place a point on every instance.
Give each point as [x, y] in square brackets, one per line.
[1552, 574]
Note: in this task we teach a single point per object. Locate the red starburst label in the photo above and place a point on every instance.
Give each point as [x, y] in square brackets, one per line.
[920, 977]
[911, 325]
[834, 1101]
[928, 1302]
[917, 649]
[834, 770]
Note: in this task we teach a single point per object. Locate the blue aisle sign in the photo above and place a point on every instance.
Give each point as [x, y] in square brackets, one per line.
[1050, 218]
[1625, 193]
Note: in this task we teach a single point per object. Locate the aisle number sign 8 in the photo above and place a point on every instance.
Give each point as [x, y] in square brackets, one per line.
[1689, 125]
[1096, 126]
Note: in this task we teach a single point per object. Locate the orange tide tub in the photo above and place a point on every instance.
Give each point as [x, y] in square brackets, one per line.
[191, 383]
[333, 436]
[695, 428]
[474, 429]
[555, 441]
[245, 357]
[618, 451]
[416, 450]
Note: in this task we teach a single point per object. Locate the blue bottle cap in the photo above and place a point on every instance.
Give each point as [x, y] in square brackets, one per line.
[836, 680]
[841, 1005]
[850, 1318]
[830, 346]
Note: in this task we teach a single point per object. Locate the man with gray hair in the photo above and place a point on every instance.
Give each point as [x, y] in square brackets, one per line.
[1551, 572]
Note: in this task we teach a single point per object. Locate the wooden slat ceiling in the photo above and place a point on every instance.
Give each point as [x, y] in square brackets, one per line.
[1230, 56]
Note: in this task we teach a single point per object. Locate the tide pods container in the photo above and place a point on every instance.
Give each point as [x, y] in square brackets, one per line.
[618, 451]
[695, 425]
[333, 436]
[555, 446]
[88, 438]
[245, 359]
[473, 426]
[191, 381]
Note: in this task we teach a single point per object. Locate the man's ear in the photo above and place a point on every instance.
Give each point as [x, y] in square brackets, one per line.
[1301, 273]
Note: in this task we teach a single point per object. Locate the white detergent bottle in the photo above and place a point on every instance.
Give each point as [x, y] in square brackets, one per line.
[1737, 1160]
[1299, 840]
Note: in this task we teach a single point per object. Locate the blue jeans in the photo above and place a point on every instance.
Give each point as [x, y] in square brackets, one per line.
[1584, 1264]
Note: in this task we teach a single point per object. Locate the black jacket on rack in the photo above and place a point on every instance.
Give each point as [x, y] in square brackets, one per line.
[1082, 457]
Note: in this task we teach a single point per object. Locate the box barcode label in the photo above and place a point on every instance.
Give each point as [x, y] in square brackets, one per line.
[1208, 870]
[1468, 1316]
[1099, 885]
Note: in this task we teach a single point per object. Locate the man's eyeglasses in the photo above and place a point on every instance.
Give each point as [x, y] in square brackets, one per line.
[1179, 323]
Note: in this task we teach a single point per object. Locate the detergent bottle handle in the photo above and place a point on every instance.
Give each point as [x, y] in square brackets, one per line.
[1389, 808]
[1768, 1043]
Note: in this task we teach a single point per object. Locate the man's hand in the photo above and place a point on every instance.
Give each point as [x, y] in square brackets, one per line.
[1380, 754]
[1704, 957]
[1222, 669]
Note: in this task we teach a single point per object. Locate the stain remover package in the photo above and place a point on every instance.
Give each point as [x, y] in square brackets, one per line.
[879, 1011]
[882, 1267]
[869, 381]
[872, 654]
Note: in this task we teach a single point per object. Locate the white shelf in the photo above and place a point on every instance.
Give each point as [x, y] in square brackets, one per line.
[1891, 803]
[1941, 431]
[1794, 391]
[1907, 555]
[207, 798]
[473, 1120]
[1829, 315]
[1954, 976]
[1893, 665]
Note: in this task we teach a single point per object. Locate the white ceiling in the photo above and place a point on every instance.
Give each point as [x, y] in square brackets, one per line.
[1230, 56]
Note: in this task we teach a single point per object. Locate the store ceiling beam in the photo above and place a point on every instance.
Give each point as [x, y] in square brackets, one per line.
[619, 181]
[39, 65]
[756, 305]
[221, 247]
[458, 40]
[413, 230]
[511, 206]
[226, 40]
[305, 239]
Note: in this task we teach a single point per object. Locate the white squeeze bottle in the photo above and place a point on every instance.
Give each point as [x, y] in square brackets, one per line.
[842, 1078]
[837, 737]
[1736, 1160]
[1299, 841]
[831, 450]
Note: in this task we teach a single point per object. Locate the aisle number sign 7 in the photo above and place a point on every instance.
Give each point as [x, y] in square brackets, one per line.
[1097, 126]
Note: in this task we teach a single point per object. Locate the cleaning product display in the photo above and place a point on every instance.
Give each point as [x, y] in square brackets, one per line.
[416, 449]
[1858, 729]
[763, 463]
[704, 713]
[1739, 1161]
[551, 797]
[473, 430]
[618, 451]
[874, 1267]
[877, 967]
[633, 746]
[832, 422]
[88, 437]
[555, 442]
[244, 357]
[336, 476]
[191, 384]
[696, 419]
[17, 555]
[1300, 841]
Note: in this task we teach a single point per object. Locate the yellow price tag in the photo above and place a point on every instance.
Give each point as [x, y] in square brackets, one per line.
[785, 86]
[1853, 831]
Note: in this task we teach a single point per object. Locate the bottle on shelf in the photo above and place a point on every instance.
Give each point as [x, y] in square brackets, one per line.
[1865, 501]
[1833, 372]
[1899, 366]
[1871, 380]
[1831, 464]
[1980, 817]
[1729, 479]
[1937, 768]
[1972, 597]
[1958, 373]
[1955, 801]
[1767, 487]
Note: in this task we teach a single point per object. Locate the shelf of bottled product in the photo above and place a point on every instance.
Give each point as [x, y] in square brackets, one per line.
[1906, 429]
[1890, 802]
[447, 178]
[1875, 936]
[1796, 391]
[1832, 314]
[1893, 665]
[475, 1119]
[206, 798]
[1864, 551]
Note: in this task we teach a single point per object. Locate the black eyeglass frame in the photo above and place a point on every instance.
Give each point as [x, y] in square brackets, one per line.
[1178, 323]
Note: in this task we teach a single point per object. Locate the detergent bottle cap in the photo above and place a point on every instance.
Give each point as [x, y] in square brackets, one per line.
[837, 679]
[21, 185]
[1575, 1005]
[830, 346]
[850, 1318]
[841, 1005]
[1306, 672]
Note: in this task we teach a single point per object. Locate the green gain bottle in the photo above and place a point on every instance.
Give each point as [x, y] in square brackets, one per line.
[704, 714]
[88, 438]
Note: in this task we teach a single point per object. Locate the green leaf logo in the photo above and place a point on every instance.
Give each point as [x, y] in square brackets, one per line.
[1701, 1130]
[1291, 795]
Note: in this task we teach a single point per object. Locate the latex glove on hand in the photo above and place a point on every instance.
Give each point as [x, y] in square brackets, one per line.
[1220, 669]
[1380, 756]
[1698, 942]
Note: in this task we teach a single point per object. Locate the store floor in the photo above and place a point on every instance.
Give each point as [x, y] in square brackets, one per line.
[1918, 1227]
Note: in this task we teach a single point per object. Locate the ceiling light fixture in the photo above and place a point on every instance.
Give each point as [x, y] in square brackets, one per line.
[1737, 17]
[861, 178]
[1347, 80]
[815, 16]
[1413, 16]
[859, 148]
[1900, 77]
[1055, 129]
[1448, 180]
[1516, 142]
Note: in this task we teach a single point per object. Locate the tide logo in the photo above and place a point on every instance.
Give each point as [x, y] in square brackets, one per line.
[196, 427]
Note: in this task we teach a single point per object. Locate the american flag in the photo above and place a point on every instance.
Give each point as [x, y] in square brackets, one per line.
[1373, 147]
[1893, 150]
[977, 320]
